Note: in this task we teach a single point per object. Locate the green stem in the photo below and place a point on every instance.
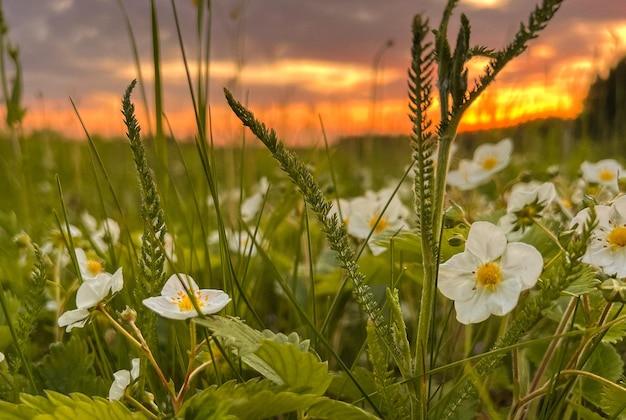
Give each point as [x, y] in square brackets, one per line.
[142, 345]
[430, 253]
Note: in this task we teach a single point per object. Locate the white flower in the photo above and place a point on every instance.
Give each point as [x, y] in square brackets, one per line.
[251, 206]
[102, 236]
[488, 277]
[341, 207]
[123, 378]
[89, 268]
[527, 202]
[365, 217]
[175, 302]
[604, 172]
[240, 242]
[488, 159]
[607, 245]
[89, 294]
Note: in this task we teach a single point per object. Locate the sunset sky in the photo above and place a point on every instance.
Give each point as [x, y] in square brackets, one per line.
[297, 62]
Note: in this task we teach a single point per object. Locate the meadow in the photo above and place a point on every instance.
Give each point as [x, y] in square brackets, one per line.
[462, 275]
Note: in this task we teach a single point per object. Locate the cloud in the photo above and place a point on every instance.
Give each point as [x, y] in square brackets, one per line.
[309, 56]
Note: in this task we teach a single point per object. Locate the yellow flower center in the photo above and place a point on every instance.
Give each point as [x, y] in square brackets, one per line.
[617, 237]
[489, 275]
[184, 302]
[382, 223]
[606, 175]
[94, 267]
[489, 163]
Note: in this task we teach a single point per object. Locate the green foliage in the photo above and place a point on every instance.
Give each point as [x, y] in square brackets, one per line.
[63, 407]
[69, 367]
[33, 300]
[282, 359]
[331, 225]
[613, 400]
[152, 261]
[257, 399]
[603, 118]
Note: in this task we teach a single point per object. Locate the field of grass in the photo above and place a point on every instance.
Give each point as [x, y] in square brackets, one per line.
[437, 275]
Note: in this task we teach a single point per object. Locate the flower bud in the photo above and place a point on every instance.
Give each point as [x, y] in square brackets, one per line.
[613, 290]
[453, 216]
[456, 240]
[129, 315]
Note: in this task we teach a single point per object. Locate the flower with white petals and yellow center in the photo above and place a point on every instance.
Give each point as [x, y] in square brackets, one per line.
[176, 297]
[605, 172]
[488, 159]
[527, 203]
[89, 266]
[368, 214]
[91, 292]
[607, 245]
[488, 277]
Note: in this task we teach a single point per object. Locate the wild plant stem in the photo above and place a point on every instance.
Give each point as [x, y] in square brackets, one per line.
[142, 345]
[573, 303]
[430, 252]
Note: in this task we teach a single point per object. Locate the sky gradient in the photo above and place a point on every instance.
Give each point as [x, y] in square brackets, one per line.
[298, 62]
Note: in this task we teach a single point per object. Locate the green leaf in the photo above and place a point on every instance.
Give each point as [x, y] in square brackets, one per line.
[613, 401]
[333, 409]
[56, 406]
[606, 362]
[69, 368]
[283, 359]
[303, 372]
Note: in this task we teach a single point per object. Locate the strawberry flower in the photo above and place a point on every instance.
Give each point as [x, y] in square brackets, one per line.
[90, 293]
[175, 300]
[488, 277]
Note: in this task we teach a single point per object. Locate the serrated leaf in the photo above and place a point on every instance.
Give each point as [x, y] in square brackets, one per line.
[605, 362]
[69, 368]
[234, 332]
[337, 410]
[56, 406]
[302, 371]
[207, 406]
[255, 399]
[613, 401]
[584, 412]
[267, 404]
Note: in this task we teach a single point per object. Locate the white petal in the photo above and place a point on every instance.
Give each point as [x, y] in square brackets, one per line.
[119, 385]
[456, 276]
[173, 284]
[522, 262]
[93, 291]
[163, 306]
[503, 299]
[76, 318]
[486, 241]
[216, 301]
[618, 211]
[473, 310]
[134, 372]
[116, 281]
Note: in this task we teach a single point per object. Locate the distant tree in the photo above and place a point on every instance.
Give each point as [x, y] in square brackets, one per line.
[603, 118]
